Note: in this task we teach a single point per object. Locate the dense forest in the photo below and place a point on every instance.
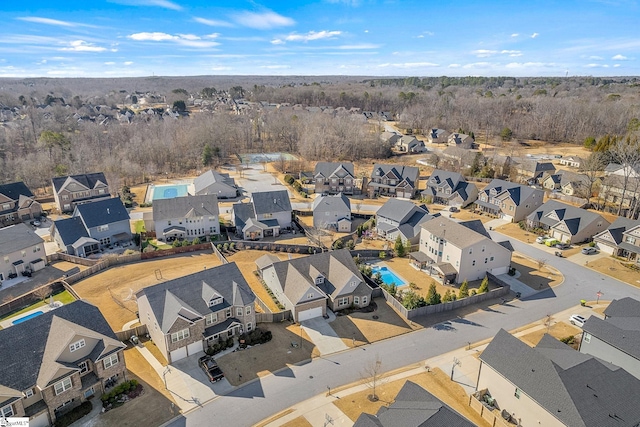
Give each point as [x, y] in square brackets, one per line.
[55, 127]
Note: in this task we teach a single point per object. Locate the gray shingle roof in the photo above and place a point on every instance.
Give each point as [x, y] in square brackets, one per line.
[399, 210]
[17, 237]
[623, 307]
[212, 177]
[576, 388]
[517, 192]
[89, 180]
[618, 227]
[70, 230]
[183, 207]
[102, 212]
[410, 173]
[575, 218]
[271, 202]
[242, 212]
[461, 235]
[194, 291]
[14, 190]
[23, 360]
[328, 169]
[336, 203]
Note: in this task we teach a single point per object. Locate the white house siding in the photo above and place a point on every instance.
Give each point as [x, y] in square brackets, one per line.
[468, 271]
[600, 349]
[30, 254]
[525, 409]
[584, 234]
[147, 317]
[195, 227]
[271, 280]
[283, 218]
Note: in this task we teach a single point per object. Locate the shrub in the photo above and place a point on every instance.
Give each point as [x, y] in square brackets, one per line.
[592, 244]
[433, 297]
[196, 241]
[382, 255]
[185, 243]
[176, 243]
[484, 286]
[289, 179]
[225, 247]
[569, 340]
[338, 244]
[351, 244]
[473, 292]
[464, 290]
[74, 415]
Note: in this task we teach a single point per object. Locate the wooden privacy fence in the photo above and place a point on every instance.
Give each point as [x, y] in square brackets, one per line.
[137, 331]
[494, 419]
[276, 247]
[273, 317]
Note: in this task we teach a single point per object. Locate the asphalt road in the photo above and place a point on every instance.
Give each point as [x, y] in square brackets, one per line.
[261, 399]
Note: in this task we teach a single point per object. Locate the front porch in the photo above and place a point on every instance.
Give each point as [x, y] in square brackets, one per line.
[230, 328]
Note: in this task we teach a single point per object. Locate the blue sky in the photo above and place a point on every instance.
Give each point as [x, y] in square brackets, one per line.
[118, 38]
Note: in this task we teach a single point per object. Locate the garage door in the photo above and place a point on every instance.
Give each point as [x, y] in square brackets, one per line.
[179, 353]
[309, 314]
[194, 348]
[41, 420]
[500, 270]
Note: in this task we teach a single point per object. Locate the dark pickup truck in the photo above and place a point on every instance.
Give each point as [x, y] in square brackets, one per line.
[211, 368]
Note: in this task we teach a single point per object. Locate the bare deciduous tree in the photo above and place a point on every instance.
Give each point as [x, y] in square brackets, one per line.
[372, 377]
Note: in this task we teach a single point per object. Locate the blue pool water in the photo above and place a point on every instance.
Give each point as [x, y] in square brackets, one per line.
[169, 191]
[388, 276]
[25, 318]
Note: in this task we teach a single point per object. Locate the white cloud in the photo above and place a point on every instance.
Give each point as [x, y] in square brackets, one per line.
[484, 53]
[109, 63]
[358, 46]
[212, 22]
[156, 36]
[596, 58]
[47, 21]
[478, 65]
[409, 65]
[128, 63]
[190, 40]
[511, 52]
[354, 3]
[311, 35]
[515, 35]
[616, 65]
[619, 58]
[277, 41]
[454, 65]
[166, 4]
[83, 46]
[275, 67]
[597, 66]
[521, 65]
[220, 68]
[534, 35]
[263, 21]
[366, 31]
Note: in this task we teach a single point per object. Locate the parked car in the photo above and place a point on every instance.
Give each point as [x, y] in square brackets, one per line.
[453, 209]
[35, 223]
[211, 368]
[577, 320]
[562, 246]
[541, 239]
[589, 251]
[551, 242]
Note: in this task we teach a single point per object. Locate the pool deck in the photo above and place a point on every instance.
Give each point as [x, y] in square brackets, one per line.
[381, 264]
[151, 187]
[9, 322]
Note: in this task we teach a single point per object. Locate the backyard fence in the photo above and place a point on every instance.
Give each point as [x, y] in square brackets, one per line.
[579, 201]
[217, 253]
[494, 419]
[281, 316]
[29, 298]
[276, 247]
[262, 305]
[137, 331]
[70, 258]
[175, 251]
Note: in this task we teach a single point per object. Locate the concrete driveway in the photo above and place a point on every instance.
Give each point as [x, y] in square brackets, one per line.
[583, 259]
[256, 179]
[323, 335]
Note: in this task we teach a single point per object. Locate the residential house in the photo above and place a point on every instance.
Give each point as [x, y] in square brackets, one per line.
[21, 250]
[186, 314]
[57, 360]
[509, 200]
[460, 251]
[307, 285]
[185, 218]
[70, 191]
[401, 218]
[393, 181]
[437, 136]
[613, 240]
[572, 161]
[553, 385]
[215, 183]
[616, 339]
[615, 192]
[532, 171]
[567, 223]
[630, 246]
[409, 144]
[414, 406]
[390, 138]
[306, 177]
[334, 178]
[460, 140]
[266, 215]
[569, 183]
[332, 213]
[458, 158]
[17, 204]
[450, 188]
[92, 227]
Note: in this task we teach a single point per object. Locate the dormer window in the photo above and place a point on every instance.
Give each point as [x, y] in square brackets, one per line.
[76, 345]
[310, 295]
[319, 280]
[353, 284]
[215, 301]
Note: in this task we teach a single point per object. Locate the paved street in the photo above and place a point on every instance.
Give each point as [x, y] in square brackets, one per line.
[273, 393]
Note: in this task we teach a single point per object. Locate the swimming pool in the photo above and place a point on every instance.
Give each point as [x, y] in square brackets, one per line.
[25, 318]
[169, 191]
[388, 276]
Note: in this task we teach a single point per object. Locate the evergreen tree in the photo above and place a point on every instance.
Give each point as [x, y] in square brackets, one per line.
[484, 286]
[433, 297]
[464, 290]
[399, 247]
[447, 297]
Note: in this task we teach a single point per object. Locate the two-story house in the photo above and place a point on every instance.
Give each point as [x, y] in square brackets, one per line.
[266, 214]
[450, 188]
[307, 285]
[409, 144]
[616, 339]
[531, 171]
[334, 178]
[509, 200]
[73, 190]
[186, 314]
[460, 251]
[617, 190]
[460, 140]
[553, 385]
[437, 136]
[401, 218]
[55, 361]
[332, 213]
[21, 250]
[572, 161]
[613, 241]
[569, 183]
[17, 204]
[393, 181]
[567, 223]
[185, 218]
[92, 227]
[215, 183]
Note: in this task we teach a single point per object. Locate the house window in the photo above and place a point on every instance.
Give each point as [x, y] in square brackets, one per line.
[310, 295]
[364, 300]
[101, 191]
[104, 227]
[483, 248]
[249, 326]
[586, 337]
[470, 251]
[62, 386]
[517, 393]
[319, 280]
[343, 301]
[457, 263]
[447, 257]
[6, 206]
[24, 254]
[356, 300]
[491, 259]
[7, 411]
[76, 345]
[113, 359]
[215, 301]
[247, 310]
[169, 222]
[211, 318]
[183, 334]
[28, 393]
[228, 313]
[485, 260]
[84, 367]
[238, 311]
[473, 262]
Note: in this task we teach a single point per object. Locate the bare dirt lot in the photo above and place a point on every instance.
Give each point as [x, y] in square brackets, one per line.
[113, 290]
[533, 276]
[557, 330]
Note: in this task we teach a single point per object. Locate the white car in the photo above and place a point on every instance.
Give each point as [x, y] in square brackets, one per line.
[541, 239]
[577, 320]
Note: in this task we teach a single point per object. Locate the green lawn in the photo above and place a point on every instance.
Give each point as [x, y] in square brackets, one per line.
[159, 245]
[138, 227]
[64, 297]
